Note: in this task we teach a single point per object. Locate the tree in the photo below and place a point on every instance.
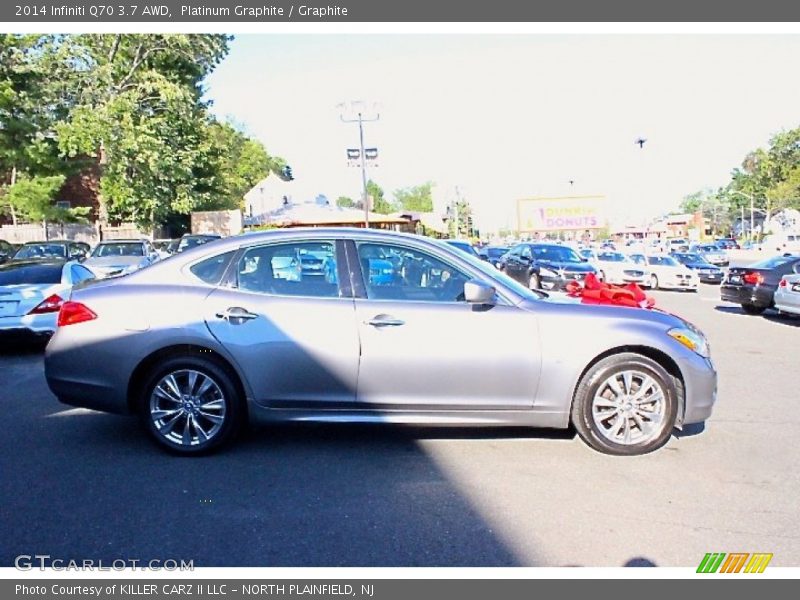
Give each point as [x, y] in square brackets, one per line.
[379, 204]
[415, 199]
[715, 206]
[140, 115]
[32, 199]
[239, 163]
[345, 202]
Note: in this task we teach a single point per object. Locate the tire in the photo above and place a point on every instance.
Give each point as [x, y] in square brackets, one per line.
[613, 423]
[653, 282]
[752, 309]
[533, 281]
[208, 419]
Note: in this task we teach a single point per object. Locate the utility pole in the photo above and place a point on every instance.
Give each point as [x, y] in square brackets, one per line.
[359, 109]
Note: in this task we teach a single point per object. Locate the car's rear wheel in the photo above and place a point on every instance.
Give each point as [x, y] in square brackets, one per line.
[752, 309]
[190, 405]
[653, 282]
[625, 404]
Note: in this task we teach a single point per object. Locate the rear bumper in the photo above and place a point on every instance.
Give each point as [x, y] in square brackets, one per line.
[44, 325]
[787, 302]
[710, 278]
[747, 294]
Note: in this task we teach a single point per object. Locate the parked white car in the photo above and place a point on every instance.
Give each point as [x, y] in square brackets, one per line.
[120, 257]
[667, 273]
[787, 295]
[32, 292]
[614, 267]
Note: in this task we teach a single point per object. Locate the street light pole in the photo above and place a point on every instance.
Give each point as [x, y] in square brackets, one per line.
[752, 210]
[361, 119]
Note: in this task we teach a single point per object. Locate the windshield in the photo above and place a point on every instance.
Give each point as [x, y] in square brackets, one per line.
[496, 252]
[43, 250]
[556, 254]
[688, 258]
[118, 249]
[611, 257]
[639, 259]
[665, 261]
[465, 246]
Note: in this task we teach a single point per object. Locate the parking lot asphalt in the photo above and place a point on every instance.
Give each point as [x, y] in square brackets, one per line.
[82, 485]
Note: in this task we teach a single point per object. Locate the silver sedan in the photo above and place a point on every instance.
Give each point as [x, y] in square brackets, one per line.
[219, 335]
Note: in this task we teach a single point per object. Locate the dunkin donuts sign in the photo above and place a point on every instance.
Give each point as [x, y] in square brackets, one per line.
[554, 214]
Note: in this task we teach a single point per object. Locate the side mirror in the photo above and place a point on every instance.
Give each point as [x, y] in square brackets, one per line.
[584, 259]
[478, 292]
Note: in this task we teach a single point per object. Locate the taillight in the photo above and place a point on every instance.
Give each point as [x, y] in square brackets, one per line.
[782, 283]
[50, 304]
[753, 278]
[74, 312]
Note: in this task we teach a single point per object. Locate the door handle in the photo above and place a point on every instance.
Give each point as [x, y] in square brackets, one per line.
[385, 321]
[236, 313]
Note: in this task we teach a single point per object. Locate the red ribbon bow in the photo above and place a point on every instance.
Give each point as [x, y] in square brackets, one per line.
[594, 291]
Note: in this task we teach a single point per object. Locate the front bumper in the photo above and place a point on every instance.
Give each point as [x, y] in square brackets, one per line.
[559, 283]
[700, 379]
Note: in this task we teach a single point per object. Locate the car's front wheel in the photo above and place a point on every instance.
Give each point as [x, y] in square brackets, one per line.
[190, 405]
[626, 404]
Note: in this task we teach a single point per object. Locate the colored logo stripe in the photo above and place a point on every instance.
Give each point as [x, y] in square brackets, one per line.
[711, 562]
[735, 561]
[758, 563]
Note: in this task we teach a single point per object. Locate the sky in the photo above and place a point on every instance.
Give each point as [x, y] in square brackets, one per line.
[504, 117]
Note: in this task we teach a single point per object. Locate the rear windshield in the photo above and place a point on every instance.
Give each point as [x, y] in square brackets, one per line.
[43, 250]
[771, 263]
[29, 274]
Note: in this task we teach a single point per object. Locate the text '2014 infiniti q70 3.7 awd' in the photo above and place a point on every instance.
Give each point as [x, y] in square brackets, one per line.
[225, 333]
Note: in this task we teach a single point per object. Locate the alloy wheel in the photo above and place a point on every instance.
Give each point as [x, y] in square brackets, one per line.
[187, 408]
[628, 408]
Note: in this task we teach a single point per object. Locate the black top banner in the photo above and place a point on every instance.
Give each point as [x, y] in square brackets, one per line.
[357, 11]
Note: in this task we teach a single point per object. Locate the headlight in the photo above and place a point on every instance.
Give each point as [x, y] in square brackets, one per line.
[547, 272]
[691, 339]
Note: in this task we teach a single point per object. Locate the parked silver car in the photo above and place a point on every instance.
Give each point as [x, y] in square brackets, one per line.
[31, 294]
[120, 257]
[201, 343]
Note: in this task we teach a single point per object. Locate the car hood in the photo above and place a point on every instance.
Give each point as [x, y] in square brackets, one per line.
[113, 261]
[568, 306]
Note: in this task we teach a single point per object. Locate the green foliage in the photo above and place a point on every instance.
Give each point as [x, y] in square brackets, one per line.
[32, 200]
[345, 202]
[771, 175]
[380, 204]
[415, 199]
[132, 103]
